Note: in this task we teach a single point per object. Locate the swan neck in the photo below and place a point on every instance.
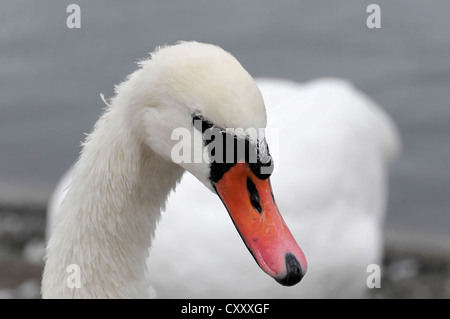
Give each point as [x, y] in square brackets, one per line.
[107, 220]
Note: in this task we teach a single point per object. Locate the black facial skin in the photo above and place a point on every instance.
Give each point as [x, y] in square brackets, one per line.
[257, 161]
[260, 163]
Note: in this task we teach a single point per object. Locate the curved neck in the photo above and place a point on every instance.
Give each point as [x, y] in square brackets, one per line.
[105, 224]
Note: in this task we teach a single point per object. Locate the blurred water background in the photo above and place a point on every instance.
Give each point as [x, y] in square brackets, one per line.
[51, 77]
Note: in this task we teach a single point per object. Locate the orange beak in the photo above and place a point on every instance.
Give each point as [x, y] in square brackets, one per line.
[251, 205]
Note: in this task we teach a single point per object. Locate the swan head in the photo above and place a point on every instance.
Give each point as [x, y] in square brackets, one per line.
[199, 108]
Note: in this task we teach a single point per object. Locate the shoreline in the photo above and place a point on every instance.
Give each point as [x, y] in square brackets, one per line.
[413, 267]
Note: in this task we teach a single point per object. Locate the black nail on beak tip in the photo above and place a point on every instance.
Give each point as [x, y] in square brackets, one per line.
[294, 271]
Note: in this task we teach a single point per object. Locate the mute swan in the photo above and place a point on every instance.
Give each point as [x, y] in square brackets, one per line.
[332, 147]
[103, 230]
[334, 150]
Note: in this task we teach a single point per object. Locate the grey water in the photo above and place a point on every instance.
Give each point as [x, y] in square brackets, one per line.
[51, 77]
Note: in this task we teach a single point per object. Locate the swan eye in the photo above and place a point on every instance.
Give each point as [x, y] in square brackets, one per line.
[200, 123]
[226, 149]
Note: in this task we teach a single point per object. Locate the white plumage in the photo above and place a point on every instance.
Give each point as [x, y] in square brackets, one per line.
[331, 184]
[332, 147]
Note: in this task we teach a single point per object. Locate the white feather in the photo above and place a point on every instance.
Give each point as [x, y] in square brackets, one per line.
[330, 183]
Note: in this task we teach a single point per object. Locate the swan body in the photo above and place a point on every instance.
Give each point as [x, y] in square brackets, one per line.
[104, 227]
[332, 147]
